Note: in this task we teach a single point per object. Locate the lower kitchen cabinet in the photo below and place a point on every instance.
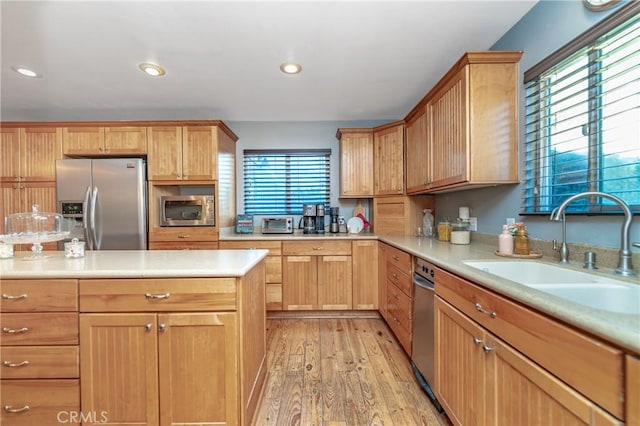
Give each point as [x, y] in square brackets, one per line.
[632, 367]
[183, 238]
[316, 275]
[498, 362]
[144, 368]
[364, 258]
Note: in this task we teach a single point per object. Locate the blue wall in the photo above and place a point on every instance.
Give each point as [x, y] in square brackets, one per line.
[548, 26]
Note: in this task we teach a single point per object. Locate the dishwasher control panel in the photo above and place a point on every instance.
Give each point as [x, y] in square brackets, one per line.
[424, 269]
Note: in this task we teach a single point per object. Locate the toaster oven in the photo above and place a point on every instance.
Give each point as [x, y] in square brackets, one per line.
[280, 225]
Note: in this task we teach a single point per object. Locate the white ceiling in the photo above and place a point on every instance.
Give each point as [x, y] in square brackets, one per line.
[361, 60]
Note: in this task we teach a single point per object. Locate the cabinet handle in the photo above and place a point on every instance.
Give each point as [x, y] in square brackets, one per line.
[487, 348]
[399, 189]
[157, 296]
[395, 295]
[148, 327]
[162, 327]
[317, 248]
[100, 149]
[395, 276]
[184, 236]
[10, 409]
[9, 297]
[14, 331]
[14, 364]
[479, 308]
[396, 258]
[476, 340]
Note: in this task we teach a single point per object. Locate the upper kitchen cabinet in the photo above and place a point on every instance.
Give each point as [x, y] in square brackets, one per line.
[182, 153]
[472, 123]
[388, 143]
[115, 141]
[356, 162]
[30, 154]
[417, 156]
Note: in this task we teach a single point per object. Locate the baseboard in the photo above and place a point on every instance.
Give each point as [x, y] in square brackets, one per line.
[322, 314]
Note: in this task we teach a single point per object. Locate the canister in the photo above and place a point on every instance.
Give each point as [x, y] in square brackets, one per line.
[6, 251]
[444, 230]
[460, 233]
[74, 248]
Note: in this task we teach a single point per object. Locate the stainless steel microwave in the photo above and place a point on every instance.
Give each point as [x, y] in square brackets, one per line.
[187, 210]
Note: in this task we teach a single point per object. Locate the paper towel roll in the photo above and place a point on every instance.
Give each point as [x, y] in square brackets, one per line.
[463, 213]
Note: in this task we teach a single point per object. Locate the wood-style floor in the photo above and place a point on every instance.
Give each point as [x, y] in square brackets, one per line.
[340, 372]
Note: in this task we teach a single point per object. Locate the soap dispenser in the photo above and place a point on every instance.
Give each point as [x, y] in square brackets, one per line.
[521, 241]
[505, 241]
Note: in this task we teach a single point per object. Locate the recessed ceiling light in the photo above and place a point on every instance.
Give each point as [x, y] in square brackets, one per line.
[290, 68]
[152, 69]
[25, 71]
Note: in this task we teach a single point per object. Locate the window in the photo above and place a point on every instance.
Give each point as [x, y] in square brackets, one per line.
[583, 120]
[281, 181]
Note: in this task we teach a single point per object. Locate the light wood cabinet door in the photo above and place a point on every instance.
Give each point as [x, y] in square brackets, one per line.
[83, 141]
[632, 395]
[197, 382]
[9, 154]
[335, 289]
[119, 367]
[382, 279]
[199, 153]
[449, 132]
[389, 160]
[164, 157]
[364, 258]
[299, 283]
[10, 193]
[417, 155]
[461, 384]
[356, 163]
[125, 140]
[39, 150]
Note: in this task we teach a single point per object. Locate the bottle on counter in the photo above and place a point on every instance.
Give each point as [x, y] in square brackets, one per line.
[427, 223]
[505, 241]
[460, 233]
[521, 241]
[444, 230]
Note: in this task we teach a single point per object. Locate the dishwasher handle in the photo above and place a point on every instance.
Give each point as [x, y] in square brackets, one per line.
[423, 282]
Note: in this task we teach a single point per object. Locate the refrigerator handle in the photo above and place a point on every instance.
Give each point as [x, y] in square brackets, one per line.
[97, 241]
[85, 218]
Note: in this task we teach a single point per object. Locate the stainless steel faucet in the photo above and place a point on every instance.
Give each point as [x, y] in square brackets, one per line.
[625, 267]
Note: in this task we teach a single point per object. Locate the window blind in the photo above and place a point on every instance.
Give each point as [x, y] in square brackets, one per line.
[583, 125]
[281, 181]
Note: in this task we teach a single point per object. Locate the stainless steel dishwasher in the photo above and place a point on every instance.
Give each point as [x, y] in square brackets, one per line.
[422, 358]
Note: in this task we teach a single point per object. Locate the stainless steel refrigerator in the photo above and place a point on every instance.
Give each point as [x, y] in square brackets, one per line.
[105, 201]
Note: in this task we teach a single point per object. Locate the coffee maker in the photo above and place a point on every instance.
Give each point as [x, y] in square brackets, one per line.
[319, 218]
[309, 212]
[334, 227]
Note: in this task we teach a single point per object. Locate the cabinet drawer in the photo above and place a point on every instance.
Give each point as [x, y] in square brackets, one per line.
[400, 259]
[40, 402]
[183, 245]
[400, 279]
[313, 248]
[153, 295]
[399, 306]
[564, 351]
[39, 295]
[59, 328]
[274, 247]
[183, 234]
[39, 362]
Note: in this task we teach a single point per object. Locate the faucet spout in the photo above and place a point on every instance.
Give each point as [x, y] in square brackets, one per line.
[625, 266]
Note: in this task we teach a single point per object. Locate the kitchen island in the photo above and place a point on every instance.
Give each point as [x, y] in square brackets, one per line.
[143, 337]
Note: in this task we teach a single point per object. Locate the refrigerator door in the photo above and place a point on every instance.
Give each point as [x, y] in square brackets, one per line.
[119, 195]
[73, 185]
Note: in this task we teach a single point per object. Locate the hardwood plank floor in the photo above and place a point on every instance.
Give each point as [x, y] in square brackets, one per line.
[340, 371]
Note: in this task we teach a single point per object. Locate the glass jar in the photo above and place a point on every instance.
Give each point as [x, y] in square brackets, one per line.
[460, 233]
[444, 230]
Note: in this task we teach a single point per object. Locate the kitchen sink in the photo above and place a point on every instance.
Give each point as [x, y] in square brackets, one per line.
[578, 287]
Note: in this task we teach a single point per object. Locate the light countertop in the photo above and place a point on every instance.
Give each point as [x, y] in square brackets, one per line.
[134, 264]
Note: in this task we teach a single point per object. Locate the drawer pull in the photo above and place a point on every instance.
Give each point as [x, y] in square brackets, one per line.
[479, 308]
[10, 409]
[162, 327]
[15, 365]
[14, 330]
[9, 297]
[317, 248]
[184, 236]
[157, 296]
[395, 295]
[487, 348]
[476, 340]
[395, 276]
[396, 258]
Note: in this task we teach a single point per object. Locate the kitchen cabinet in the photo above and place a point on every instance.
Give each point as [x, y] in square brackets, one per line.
[400, 215]
[382, 279]
[30, 154]
[39, 351]
[417, 151]
[399, 295]
[356, 162]
[182, 153]
[273, 265]
[495, 356]
[316, 275]
[173, 350]
[364, 254]
[632, 390]
[388, 142]
[472, 116]
[107, 140]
